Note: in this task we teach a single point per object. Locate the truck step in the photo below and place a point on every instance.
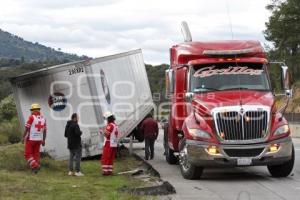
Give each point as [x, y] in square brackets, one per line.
[176, 154]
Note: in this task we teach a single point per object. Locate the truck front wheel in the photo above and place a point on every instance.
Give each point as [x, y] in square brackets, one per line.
[284, 169]
[188, 170]
[169, 153]
[170, 157]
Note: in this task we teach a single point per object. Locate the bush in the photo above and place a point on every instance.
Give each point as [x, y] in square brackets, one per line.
[14, 137]
[11, 129]
[8, 108]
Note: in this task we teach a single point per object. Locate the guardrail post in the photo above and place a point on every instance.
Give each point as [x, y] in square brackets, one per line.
[131, 145]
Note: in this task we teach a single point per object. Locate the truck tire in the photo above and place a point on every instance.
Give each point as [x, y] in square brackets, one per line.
[170, 157]
[169, 153]
[188, 170]
[284, 169]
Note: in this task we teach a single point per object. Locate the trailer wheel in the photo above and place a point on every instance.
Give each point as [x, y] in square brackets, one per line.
[284, 169]
[188, 170]
[169, 153]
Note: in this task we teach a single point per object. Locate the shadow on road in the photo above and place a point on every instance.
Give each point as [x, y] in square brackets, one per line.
[233, 174]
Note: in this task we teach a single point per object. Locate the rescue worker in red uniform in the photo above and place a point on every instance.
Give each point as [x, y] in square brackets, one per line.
[110, 144]
[34, 136]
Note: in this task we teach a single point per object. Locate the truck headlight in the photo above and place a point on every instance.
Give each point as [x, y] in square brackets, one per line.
[282, 130]
[199, 133]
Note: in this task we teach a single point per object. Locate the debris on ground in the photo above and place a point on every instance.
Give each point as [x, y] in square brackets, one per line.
[163, 189]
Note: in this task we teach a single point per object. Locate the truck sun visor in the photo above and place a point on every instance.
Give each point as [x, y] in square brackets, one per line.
[228, 52]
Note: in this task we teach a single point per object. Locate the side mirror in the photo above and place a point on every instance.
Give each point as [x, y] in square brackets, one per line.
[170, 81]
[286, 80]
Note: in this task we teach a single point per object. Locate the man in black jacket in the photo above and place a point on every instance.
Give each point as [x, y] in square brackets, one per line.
[73, 133]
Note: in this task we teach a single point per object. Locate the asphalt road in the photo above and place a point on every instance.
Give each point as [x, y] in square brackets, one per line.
[247, 183]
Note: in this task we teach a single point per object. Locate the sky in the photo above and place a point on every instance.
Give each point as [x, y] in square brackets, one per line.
[103, 27]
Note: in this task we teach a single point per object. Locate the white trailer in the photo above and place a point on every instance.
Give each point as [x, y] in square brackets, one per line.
[116, 83]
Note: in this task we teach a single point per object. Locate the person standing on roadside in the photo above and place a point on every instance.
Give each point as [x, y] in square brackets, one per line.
[149, 128]
[110, 144]
[34, 136]
[73, 134]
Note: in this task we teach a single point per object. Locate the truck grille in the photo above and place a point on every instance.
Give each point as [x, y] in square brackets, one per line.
[243, 152]
[248, 125]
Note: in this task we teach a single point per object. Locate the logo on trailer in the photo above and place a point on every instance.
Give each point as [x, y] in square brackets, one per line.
[105, 86]
[57, 101]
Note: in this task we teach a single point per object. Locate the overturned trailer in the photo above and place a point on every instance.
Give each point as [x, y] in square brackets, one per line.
[116, 83]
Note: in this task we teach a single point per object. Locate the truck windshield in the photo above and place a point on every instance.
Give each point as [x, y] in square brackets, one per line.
[228, 76]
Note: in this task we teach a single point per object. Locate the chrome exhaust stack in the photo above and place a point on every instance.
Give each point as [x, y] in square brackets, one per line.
[187, 36]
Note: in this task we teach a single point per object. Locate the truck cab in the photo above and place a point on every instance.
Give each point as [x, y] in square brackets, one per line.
[223, 110]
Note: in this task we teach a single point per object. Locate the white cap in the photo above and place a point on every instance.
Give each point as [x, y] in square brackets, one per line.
[107, 114]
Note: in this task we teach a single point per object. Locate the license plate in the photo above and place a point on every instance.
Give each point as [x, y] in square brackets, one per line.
[244, 161]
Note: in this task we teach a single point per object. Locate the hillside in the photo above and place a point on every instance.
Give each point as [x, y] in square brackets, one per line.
[156, 76]
[294, 104]
[14, 47]
[14, 69]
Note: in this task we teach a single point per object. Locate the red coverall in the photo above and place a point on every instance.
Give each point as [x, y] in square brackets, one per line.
[109, 149]
[35, 126]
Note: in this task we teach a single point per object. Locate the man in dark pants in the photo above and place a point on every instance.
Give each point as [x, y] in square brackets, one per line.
[73, 133]
[149, 128]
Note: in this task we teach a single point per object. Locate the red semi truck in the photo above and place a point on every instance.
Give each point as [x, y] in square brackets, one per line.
[223, 109]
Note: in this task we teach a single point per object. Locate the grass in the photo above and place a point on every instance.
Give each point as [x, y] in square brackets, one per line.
[3, 139]
[17, 181]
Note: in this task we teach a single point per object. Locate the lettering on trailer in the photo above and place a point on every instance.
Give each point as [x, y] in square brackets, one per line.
[210, 71]
[75, 70]
[24, 84]
[57, 101]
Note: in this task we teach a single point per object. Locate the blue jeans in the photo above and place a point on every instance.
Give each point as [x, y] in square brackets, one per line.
[149, 148]
[75, 156]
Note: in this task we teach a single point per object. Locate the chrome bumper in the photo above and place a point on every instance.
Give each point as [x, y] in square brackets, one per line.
[197, 153]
